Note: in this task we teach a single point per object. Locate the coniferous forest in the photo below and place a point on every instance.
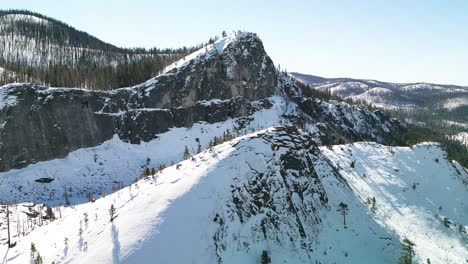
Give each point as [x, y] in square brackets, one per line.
[39, 49]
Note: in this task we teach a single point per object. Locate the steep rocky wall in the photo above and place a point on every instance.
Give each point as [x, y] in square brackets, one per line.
[335, 122]
[39, 123]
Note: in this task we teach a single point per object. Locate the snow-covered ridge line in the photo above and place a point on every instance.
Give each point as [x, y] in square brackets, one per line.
[217, 46]
[25, 17]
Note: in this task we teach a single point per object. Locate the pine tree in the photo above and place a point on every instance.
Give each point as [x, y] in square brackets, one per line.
[186, 153]
[408, 249]
[112, 213]
[199, 149]
[265, 259]
[372, 204]
[50, 214]
[447, 222]
[33, 249]
[343, 208]
[147, 171]
[38, 259]
[461, 229]
[153, 171]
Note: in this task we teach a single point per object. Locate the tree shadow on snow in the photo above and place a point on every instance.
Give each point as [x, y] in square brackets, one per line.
[116, 245]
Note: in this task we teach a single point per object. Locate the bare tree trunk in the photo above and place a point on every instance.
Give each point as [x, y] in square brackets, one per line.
[8, 224]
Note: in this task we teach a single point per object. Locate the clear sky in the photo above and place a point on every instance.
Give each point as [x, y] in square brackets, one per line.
[391, 40]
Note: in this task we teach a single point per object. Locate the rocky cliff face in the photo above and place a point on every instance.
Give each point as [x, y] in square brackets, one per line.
[232, 78]
[39, 123]
[278, 199]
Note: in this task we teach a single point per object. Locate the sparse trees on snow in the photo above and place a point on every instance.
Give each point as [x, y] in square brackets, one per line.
[186, 153]
[343, 208]
[447, 222]
[65, 195]
[112, 212]
[371, 202]
[408, 249]
[33, 249]
[38, 259]
[265, 258]
[50, 213]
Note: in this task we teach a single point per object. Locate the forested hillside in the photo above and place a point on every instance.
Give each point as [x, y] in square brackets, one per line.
[43, 50]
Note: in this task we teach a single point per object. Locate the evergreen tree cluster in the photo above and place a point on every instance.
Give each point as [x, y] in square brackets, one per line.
[62, 56]
[226, 137]
[408, 251]
[417, 133]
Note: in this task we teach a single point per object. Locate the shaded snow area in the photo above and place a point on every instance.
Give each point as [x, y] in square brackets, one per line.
[419, 194]
[271, 190]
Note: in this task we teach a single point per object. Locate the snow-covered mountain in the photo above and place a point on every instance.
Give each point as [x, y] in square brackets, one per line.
[448, 101]
[41, 49]
[245, 164]
[273, 191]
[233, 79]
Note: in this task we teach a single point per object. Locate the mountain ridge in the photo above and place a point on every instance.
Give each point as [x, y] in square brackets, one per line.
[221, 158]
[44, 50]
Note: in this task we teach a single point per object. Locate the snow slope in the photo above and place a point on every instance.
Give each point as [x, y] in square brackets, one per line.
[115, 163]
[414, 188]
[191, 212]
[217, 46]
[188, 213]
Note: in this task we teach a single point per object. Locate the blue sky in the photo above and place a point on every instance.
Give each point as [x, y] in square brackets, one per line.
[401, 41]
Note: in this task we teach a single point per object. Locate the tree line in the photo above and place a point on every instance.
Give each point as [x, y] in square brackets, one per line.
[53, 53]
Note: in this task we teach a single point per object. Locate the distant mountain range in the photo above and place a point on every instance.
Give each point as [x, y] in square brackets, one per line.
[423, 101]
